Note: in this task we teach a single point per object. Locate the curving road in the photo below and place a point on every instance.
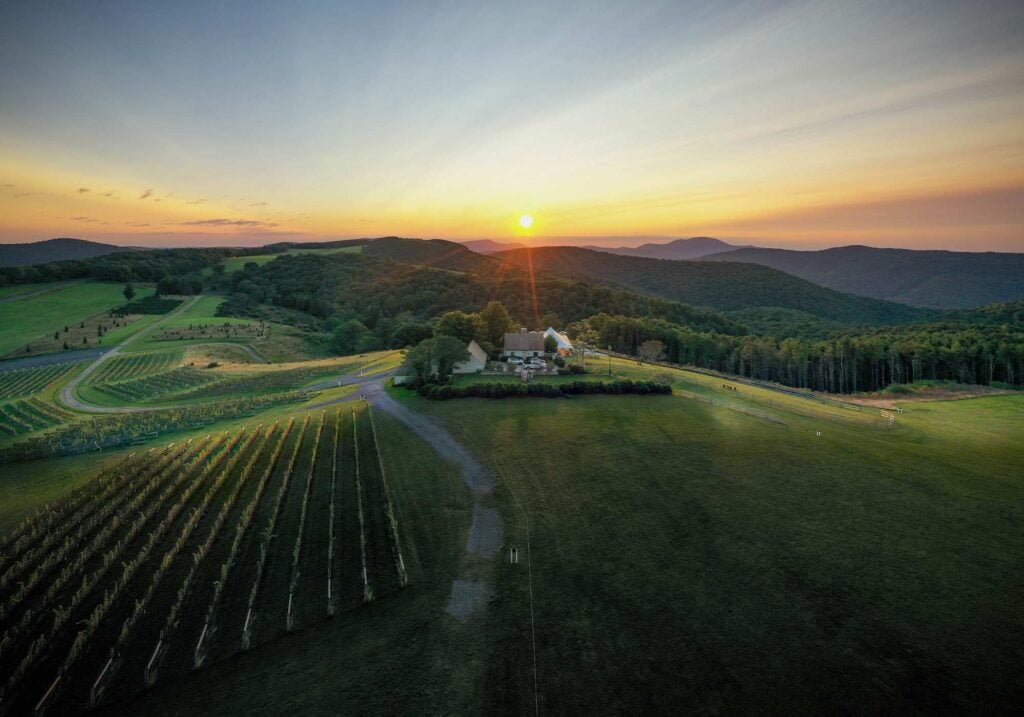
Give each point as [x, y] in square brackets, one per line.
[67, 394]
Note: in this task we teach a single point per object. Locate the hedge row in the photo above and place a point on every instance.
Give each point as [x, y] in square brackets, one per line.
[541, 390]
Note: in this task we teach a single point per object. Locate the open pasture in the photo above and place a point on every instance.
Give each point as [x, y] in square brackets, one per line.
[39, 316]
[182, 555]
[740, 566]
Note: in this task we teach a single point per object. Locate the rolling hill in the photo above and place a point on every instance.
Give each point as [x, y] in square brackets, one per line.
[939, 279]
[730, 286]
[692, 248]
[437, 253]
[488, 246]
[63, 249]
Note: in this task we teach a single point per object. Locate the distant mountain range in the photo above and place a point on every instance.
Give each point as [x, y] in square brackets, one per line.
[734, 287]
[489, 246]
[41, 252]
[692, 248]
[938, 279]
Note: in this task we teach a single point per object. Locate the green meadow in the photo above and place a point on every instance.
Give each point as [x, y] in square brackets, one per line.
[42, 314]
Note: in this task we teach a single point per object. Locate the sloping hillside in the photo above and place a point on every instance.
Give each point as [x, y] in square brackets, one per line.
[692, 248]
[42, 252]
[384, 292]
[437, 253]
[940, 279]
[489, 246]
[721, 286]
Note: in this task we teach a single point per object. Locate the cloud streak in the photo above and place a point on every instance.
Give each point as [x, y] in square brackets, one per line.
[220, 222]
[147, 194]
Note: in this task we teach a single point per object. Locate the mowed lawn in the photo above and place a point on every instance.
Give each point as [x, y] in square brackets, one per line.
[688, 558]
[26, 319]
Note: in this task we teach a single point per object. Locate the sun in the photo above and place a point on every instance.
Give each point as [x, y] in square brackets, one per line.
[526, 221]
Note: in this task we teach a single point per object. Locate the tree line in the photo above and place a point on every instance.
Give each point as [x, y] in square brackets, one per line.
[866, 360]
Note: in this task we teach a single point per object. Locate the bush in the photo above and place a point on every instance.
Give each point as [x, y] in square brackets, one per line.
[577, 369]
[559, 361]
[542, 390]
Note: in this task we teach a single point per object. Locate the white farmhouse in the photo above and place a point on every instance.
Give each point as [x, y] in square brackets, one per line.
[524, 344]
[477, 360]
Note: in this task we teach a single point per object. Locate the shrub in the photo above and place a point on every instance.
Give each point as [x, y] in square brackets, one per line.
[542, 390]
[559, 361]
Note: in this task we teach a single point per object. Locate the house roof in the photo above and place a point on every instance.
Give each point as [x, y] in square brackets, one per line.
[524, 341]
[476, 352]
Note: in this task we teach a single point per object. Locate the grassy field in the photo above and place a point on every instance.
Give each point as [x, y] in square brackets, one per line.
[733, 565]
[40, 315]
[16, 289]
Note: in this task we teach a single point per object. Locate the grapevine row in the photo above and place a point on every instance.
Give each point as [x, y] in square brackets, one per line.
[297, 550]
[268, 533]
[240, 530]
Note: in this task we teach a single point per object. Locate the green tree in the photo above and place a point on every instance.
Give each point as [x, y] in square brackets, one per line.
[495, 322]
[550, 344]
[433, 359]
[457, 324]
[129, 291]
[550, 319]
[348, 337]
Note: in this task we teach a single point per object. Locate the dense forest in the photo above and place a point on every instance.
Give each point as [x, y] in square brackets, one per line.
[151, 265]
[987, 354]
[351, 286]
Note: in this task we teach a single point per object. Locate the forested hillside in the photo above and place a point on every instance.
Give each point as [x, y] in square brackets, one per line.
[429, 252]
[720, 286]
[64, 249]
[391, 298]
[942, 279]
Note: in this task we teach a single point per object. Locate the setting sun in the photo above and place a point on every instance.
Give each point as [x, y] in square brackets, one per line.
[526, 221]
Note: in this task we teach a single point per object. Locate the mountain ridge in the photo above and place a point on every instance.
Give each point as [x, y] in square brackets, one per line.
[921, 277]
[59, 249]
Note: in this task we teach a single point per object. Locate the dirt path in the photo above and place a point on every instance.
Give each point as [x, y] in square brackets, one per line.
[472, 589]
[67, 394]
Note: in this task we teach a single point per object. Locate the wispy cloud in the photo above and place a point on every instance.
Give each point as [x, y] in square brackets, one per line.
[147, 194]
[197, 201]
[228, 223]
[84, 219]
[108, 195]
[83, 190]
[258, 204]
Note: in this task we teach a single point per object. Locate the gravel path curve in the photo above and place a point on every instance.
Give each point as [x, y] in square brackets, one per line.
[67, 394]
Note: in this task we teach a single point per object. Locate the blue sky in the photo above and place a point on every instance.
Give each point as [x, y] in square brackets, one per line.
[757, 121]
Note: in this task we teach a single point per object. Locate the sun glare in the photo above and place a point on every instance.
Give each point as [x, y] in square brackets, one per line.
[526, 221]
